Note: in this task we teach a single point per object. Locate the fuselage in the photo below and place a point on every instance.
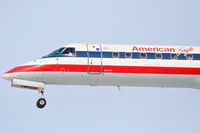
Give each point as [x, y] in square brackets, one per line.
[115, 65]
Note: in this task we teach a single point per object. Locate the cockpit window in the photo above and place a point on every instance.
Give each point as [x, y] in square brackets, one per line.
[69, 52]
[56, 52]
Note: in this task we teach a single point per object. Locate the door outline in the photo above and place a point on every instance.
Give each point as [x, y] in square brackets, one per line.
[90, 60]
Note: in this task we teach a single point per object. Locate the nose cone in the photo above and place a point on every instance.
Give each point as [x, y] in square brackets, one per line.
[23, 71]
[7, 76]
[11, 74]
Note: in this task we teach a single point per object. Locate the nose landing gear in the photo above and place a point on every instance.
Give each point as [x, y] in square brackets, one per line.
[41, 103]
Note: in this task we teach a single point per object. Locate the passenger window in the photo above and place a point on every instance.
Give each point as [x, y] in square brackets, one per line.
[69, 52]
[158, 56]
[189, 57]
[128, 55]
[174, 56]
[115, 55]
[143, 55]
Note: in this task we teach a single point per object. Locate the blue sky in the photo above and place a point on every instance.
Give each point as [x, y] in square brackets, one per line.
[31, 29]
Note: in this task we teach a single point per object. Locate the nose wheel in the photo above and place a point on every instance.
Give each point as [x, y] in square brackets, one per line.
[41, 103]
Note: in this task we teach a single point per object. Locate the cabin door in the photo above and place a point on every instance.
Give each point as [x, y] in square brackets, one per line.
[94, 58]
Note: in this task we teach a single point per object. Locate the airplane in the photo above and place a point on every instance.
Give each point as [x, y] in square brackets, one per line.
[110, 65]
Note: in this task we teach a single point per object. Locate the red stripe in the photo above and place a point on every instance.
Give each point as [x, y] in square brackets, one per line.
[20, 69]
[107, 69]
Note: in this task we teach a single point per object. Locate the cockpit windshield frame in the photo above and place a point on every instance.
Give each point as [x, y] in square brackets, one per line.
[56, 52]
[69, 51]
[66, 51]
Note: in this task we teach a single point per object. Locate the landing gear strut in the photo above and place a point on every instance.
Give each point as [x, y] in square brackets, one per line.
[41, 101]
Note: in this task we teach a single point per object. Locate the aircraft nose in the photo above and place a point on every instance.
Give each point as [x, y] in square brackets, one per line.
[20, 72]
[7, 76]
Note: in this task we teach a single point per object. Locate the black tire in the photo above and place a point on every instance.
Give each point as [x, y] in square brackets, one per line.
[41, 103]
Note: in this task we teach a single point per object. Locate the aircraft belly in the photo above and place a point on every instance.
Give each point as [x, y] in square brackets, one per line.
[116, 79]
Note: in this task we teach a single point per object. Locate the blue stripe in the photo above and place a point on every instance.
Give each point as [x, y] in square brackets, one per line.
[135, 55]
[151, 56]
[121, 54]
[107, 54]
[81, 54]
[166, 56]
[95, 54]
[196, 56]
[181, 57]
